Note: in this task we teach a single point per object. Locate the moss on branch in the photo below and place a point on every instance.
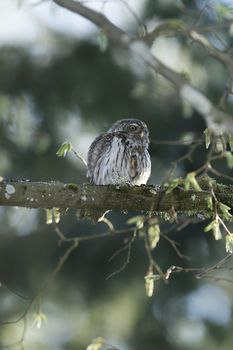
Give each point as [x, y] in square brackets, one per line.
[91, 197]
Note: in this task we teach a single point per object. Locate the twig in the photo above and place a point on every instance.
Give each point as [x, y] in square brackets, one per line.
[152, 263]
[140, 49]
[176, 143]
[215, 266]
[79, 157]
[174, 246]
[127, 246]
[219, 174]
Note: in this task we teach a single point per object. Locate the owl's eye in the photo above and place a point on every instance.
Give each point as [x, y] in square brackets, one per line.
[133, 127]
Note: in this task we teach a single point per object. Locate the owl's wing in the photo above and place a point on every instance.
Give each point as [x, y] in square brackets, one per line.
[112, 166]
[96, 152]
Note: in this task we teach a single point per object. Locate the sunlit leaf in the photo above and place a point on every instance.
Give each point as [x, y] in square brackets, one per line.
[216, 230]
[209, 227]
[49, 216]
[56, 215]
[137, 220]
[153, 235]
[210, 202]
[171, 185]
[191, 181]
[149, 283]
[39, 319]
[96, 344]
[207, 137]
[215, 227]
[64, 148]
[229, 243]
[225, 211]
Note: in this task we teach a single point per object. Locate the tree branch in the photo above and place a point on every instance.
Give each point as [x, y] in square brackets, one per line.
[91, 197]
[114, 32]
[215, 119]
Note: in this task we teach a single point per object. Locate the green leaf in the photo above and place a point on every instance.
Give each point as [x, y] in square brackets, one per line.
[215, 227]
[190, 181]
[49, 216]
[137, 220]
[64, 148]
[229, 159]
[39, 318]
[153, 235]
[210, 202]
[53, 215]
[229, 243]
[171, 185]
[56, 215]
[209, 227]
[207, 137]
[225, 211]
[223, 12]
[216, 231]
[149, 283]
[96, 344]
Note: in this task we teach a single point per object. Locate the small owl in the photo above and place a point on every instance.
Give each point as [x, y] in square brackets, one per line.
[120, 156]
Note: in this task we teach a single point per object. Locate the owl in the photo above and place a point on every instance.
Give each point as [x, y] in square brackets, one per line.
[120, 156]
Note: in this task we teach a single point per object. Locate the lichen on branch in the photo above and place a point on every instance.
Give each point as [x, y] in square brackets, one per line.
[156, 199]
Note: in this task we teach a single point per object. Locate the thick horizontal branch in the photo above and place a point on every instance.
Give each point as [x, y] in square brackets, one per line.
[91, 197]
[215, 119]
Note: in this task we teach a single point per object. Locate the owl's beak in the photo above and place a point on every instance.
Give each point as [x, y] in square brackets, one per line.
[142, 134]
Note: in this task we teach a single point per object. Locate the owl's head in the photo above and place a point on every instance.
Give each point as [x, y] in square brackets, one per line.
[134, 128]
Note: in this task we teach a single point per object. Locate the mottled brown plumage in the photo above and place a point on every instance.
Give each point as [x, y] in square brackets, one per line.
[120, 156]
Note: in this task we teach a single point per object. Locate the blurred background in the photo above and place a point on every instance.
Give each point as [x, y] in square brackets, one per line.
[61, 80]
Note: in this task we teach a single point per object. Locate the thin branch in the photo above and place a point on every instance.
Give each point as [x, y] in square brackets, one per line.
[216, 266]
[128, 246]
[219, 174]
[177, 142]
[202, 272]
[79, 157]
[57, 269]
[95, 17]
[153, 265]
[174, 246]
[215, 118]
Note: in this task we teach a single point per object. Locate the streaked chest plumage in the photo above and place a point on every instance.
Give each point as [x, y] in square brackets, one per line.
[120, 157]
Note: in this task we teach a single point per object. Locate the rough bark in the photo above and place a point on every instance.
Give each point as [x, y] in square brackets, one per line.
[90, 197]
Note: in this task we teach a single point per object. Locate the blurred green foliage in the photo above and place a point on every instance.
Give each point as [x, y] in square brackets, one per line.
[73, 95]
